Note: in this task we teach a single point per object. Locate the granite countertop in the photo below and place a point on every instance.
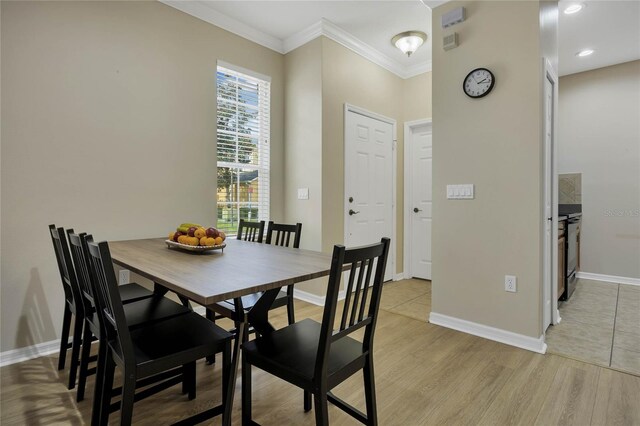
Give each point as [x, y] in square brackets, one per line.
[569, 211]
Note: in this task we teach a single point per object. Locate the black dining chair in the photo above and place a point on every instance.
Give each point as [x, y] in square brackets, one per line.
[281, 234]
[73, 305]
[250, 231]
[137, 312]
[151, 350]
[317, 357]
[277, 234]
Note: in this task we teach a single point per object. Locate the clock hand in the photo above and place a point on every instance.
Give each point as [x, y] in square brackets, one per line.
[481, 81]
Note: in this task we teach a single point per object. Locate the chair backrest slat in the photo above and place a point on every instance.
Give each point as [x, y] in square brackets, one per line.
[354, 306]
[347, 299]
[365, 291]
[82, 269]
[251, 231]
[283, 233]
[362, 260]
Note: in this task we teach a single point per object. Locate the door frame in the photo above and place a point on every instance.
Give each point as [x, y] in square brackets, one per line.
[408, 201]
[549, 74]
[394, 178]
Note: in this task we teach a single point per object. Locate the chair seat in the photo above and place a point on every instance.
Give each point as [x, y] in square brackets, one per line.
[177, 340]
[147, 311]
[290, 353]
[132, 292]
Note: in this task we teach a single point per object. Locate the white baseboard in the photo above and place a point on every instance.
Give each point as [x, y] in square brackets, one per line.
[314, 299]
[29, 352]
[398, 277]
[608, 278]
[491, 333]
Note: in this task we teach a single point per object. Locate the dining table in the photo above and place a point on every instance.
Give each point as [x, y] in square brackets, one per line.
[239, 269]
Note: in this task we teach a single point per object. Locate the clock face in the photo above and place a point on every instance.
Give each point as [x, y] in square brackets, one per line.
[478, 83]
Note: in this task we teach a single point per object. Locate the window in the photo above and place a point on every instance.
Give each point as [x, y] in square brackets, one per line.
[243, 146]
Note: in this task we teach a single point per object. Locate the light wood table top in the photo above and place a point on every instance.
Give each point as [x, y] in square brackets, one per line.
[242, 268]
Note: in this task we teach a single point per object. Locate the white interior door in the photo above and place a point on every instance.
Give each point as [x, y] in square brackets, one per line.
[368, 181]
[419, 145]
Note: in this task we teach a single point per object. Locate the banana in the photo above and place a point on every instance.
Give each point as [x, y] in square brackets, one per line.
[184, 227]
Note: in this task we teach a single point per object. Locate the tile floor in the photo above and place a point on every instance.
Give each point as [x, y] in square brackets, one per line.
[600, 324]
[411, 298]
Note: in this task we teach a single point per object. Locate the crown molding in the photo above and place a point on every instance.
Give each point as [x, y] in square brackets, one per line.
[303, 37]
[200, 10]
[418, 69]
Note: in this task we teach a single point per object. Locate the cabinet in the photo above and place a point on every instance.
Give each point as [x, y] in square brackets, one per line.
[578, 248]
[561, 266]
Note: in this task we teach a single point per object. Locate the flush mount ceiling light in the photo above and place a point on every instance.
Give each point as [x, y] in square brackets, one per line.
[574, 8]
[409, 41]
[585, 52]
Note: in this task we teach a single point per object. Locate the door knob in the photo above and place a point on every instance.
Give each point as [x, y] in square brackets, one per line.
[352, 212]
[416, 210]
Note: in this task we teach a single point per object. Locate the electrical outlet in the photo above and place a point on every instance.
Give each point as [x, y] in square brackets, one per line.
[510, 283]
[124, 277]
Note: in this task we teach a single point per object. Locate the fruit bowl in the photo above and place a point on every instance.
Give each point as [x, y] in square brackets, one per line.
[197, 249]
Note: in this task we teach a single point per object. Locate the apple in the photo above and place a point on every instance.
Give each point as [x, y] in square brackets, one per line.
[191, 231]
[176, 235]
[212, 233]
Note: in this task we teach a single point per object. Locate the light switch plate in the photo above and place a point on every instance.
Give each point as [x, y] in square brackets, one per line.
[461, 192]
[303, 193]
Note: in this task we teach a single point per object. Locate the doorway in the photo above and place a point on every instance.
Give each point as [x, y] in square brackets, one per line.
[550, 314]
[369, 180]
[418, 198]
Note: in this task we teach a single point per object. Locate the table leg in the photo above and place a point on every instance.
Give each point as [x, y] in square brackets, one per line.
[258, 316]
[161, 290]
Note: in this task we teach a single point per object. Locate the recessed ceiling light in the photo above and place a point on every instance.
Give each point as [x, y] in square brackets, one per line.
[574, 8]
[585, 52]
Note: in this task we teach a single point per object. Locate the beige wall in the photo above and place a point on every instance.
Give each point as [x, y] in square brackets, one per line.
[416, 97]
[108, 126]
[303, 140]
[494, 143]
[599, 136]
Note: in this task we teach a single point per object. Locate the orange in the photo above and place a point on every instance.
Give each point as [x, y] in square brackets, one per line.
[200, 232]
[218, 241]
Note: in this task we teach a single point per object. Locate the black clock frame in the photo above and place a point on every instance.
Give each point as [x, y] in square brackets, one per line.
[493, 82]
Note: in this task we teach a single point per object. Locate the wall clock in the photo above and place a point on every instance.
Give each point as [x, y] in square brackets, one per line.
[478, 83]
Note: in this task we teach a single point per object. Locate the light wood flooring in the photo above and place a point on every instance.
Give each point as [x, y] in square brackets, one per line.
[600, 324]
[425, 375]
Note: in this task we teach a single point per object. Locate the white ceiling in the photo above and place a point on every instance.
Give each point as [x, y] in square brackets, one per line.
[611, 28]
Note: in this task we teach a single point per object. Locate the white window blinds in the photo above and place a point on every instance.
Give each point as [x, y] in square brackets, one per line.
[243, 123]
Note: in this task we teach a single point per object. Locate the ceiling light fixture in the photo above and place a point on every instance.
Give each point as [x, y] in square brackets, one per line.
[585, 52]
[409, 41]
[574, 8]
